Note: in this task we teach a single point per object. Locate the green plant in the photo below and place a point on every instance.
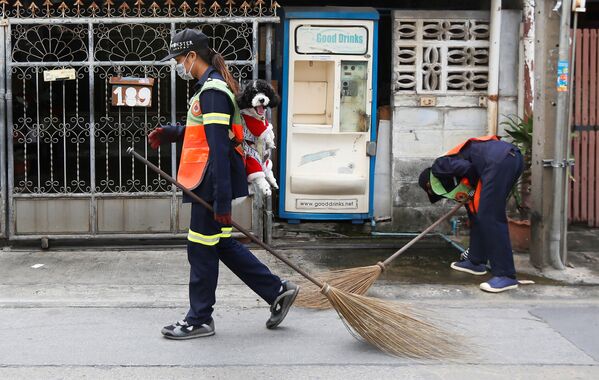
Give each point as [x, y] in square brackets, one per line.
[520, 132]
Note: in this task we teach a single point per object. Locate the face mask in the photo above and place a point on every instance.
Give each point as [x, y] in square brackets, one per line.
[182, 72]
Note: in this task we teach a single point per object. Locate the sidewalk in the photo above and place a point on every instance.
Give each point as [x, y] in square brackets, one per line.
[98, 314]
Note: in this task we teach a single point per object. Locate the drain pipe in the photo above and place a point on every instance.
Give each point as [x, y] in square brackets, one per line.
[559, 163]
[565, 211]
[493, 84]
[577, 7]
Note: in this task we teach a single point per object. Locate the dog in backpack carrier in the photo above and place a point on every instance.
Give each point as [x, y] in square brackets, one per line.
[253, 101]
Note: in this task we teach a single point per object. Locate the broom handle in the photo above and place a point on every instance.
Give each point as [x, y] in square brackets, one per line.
[422, 234]
[234, 224]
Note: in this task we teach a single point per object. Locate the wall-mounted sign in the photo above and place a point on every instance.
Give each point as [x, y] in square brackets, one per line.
[131, 92]
[59, 74]
[351, 40]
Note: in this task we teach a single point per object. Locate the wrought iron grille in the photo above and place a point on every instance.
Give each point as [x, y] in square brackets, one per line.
[67, 138]
[441, 56]
[137, 8]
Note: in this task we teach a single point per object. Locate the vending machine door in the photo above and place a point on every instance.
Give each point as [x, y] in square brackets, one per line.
[327, 120]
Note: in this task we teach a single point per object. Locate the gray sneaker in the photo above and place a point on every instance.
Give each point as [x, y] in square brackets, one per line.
[282, 304]
[183, 330]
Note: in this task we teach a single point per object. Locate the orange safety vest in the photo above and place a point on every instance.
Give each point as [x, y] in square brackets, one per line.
[195, 152]
[474, 203]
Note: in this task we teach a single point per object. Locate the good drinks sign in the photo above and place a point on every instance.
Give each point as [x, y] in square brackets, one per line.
[350, 40]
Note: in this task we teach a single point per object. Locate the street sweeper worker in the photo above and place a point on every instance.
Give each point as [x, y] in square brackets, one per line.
[480, 172]
[212, 166]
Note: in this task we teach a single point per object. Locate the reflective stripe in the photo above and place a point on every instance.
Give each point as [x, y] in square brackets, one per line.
[203, 239]
[210, 240]
[216, 118]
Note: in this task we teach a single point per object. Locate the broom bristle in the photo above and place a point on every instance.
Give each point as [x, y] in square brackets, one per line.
[392, 327]
[353, 280]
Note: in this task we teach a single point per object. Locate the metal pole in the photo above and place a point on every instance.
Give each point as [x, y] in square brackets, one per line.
[9, 132]
[564, 254]
[268, 215]
[493, 86]
[558, 164]
[92, 133]
[3, 135]
[255, 47]
[174, 199]
[258, 200]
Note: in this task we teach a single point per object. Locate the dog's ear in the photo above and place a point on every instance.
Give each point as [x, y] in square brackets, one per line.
[243, 97]
[274, 98]
[272, 95]
[239, 100]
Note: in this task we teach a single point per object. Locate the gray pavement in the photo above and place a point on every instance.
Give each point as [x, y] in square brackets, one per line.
[97, 314]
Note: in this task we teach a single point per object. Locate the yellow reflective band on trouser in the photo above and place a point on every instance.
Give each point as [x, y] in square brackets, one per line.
[216, 118]
[209, 240]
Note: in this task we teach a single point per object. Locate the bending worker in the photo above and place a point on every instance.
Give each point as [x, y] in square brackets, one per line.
[480, 172]
[212, 166]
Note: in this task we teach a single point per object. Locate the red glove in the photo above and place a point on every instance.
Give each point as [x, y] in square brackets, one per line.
[224, 219]
[155, 137]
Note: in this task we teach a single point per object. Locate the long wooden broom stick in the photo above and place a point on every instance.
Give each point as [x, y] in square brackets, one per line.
[391, 327]
[358, 280]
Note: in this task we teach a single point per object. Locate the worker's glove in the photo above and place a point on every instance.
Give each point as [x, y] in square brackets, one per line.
[165, 134]
[462, 197]
[224, 219]
[268, 136]
[269, 174]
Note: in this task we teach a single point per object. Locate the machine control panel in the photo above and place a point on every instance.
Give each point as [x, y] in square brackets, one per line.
[354, 80]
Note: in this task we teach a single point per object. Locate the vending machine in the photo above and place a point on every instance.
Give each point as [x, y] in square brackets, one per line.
[328, 126]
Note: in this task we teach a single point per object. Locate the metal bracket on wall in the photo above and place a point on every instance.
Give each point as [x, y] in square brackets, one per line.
[547, 163]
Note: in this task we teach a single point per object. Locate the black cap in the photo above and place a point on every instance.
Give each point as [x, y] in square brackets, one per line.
[185, 41]
[425, 178]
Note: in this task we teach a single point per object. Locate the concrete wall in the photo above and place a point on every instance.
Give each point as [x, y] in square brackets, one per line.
[420, 134]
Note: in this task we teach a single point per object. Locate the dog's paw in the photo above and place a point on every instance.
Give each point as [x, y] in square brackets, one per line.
[263, 186]
[270, 178]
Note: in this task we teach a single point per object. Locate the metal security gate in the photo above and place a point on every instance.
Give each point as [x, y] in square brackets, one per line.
[67, 174]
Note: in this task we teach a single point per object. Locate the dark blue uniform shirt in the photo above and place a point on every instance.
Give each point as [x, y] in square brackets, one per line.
[471, 163]
[225, 178]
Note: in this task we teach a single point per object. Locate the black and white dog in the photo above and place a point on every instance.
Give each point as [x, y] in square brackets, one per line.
[253, 101]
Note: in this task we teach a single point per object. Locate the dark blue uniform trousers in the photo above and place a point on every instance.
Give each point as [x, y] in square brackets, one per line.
[204, 261]
[489, 236]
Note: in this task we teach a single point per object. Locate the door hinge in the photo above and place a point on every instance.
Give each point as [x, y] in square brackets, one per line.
[371, 148]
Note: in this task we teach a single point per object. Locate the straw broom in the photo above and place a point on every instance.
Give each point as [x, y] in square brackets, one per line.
[356, 280]
[390, 327]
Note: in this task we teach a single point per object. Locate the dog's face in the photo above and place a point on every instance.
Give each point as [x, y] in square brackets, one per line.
[257, 96]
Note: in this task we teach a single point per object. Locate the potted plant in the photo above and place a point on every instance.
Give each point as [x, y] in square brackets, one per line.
[520, 132]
